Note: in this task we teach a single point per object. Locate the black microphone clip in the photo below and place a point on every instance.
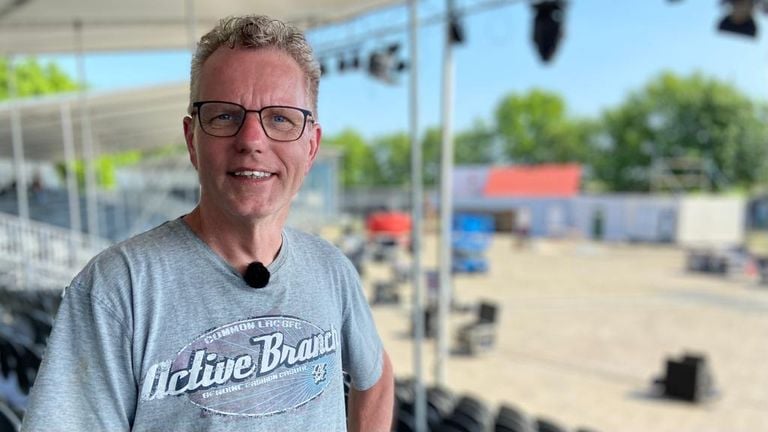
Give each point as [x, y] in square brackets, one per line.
[256, 275]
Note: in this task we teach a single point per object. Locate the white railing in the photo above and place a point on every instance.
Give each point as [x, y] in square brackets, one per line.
[35, 255]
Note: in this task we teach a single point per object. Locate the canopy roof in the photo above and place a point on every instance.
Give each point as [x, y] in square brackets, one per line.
[49, 26]
[123, 120]
[136, 118]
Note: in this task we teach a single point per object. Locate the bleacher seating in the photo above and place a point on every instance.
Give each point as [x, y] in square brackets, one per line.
[27, 319]
[9, 419]
[448, 412]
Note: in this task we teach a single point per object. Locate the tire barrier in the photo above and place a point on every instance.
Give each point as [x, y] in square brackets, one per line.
[403, 419]
[440, 403]
[448, 412]
[512, 419]
[547, 425]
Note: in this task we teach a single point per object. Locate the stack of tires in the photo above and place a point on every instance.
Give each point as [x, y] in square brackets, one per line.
[469, 415]
[447, 412]
[511, 419]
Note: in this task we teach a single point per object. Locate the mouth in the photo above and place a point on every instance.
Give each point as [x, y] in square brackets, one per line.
[250, 174]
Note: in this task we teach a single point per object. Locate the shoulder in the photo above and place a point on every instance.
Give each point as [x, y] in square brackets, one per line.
[303, 241]
[163, 239]
[313, 248]
[115, 265]
[169, 235]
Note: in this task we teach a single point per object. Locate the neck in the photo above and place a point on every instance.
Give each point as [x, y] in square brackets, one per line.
[238, 243]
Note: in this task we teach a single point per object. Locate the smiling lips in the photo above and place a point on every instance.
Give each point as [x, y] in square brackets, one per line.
[256, 175]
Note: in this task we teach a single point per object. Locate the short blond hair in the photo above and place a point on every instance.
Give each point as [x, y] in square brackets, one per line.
[257, 31]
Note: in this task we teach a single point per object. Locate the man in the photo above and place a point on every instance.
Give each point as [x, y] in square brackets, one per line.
[163, 332]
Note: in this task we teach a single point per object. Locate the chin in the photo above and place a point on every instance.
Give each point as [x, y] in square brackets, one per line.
[255, 212]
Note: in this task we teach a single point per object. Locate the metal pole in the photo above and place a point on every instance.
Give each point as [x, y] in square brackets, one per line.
[192, 40]
[19, 162]
[20, 172]
[191, 25]
[91, 199]
[446, 207]
[417, 204]
[73, 194]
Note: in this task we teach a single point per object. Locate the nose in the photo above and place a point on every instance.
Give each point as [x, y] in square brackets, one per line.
[251, 136]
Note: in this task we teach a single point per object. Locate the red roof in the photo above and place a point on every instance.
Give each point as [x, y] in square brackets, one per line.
[534, 181]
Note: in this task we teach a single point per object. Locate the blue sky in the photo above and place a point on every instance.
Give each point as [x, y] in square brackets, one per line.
[611, 47]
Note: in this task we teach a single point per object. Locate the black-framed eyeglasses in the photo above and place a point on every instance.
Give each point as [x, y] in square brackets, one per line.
[225, 119]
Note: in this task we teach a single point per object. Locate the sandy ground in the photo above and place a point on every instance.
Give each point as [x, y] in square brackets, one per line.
[585, 328]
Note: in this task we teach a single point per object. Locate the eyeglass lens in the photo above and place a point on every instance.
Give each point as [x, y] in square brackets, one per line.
[225, 119]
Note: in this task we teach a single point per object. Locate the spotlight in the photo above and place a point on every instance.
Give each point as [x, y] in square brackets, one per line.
[380, 65]
[355, 62]
[548, 27]
[455, 29]
[323, 68]
[739, 20]
[342, 64]
[384, 65]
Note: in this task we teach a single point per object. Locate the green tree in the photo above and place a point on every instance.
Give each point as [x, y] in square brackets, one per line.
[470, 147]
[677, 118]
[431, 151]
[534, 128]
[105, 167]
[393, 157]
[477, 145]
[34, 79]
[359, 165]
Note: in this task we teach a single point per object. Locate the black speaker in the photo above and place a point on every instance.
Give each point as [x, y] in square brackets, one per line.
[687, 378]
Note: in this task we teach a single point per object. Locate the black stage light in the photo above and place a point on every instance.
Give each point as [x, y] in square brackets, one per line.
[342, 64]
[384, 64]
[380, 66]
[456, 30]
[739, 21]
[548, 27]
[323, 68]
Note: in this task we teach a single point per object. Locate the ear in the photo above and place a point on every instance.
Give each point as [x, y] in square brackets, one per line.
[189, 135]
[315, 136]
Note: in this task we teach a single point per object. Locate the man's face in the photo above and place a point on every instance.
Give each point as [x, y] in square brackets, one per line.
[253, 78]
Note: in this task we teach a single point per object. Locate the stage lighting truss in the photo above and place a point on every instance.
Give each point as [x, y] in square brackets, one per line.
[383, 64]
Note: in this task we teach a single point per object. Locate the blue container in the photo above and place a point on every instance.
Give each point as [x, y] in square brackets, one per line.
[470, 239]
[469, 222]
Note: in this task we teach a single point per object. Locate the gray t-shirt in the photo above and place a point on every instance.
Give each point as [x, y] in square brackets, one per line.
[159, 333]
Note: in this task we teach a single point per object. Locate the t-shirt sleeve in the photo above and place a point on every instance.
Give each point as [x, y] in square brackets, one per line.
[85, 382]
[362, 353]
